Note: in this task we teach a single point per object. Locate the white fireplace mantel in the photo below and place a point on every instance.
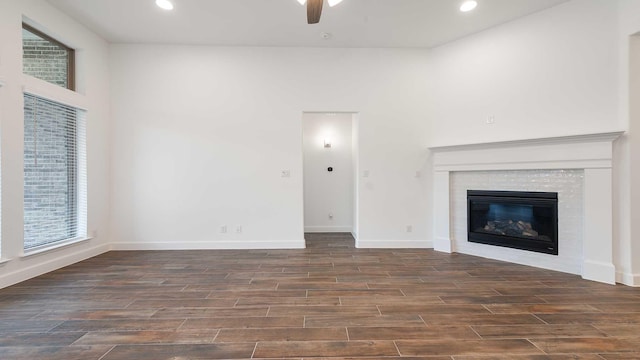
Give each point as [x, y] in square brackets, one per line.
[592, 153]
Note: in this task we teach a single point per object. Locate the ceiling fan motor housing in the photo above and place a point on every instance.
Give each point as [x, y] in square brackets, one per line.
[314, 11]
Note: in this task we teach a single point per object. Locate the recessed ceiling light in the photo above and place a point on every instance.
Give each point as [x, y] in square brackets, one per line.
[468, 5]
[164, 4]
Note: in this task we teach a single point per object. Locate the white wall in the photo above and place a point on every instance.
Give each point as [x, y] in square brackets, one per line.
[203, 133]
[626, 221]
[628, 149]
[558, 72]
[551, 73]
[634, 149]
[328, 196]
[93, 92]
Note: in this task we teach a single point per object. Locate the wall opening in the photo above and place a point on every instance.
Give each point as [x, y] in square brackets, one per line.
[330, 145]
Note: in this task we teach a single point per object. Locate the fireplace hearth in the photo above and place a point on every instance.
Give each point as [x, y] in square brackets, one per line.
[514, 219]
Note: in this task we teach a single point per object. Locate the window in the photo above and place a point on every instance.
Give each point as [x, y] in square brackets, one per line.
[47, 59]
[54, 172]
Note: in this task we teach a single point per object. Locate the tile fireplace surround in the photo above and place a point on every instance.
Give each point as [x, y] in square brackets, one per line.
[519, 161]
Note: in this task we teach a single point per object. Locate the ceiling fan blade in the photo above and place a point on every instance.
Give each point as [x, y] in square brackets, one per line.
[314, 10]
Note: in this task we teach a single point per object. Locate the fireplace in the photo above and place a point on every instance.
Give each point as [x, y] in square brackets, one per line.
[514, 219]
[578, 167]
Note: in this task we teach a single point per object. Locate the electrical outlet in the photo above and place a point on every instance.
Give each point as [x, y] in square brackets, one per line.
[285, 173]
[238, 229]
[409, 228]
[330, 216]
[491, 119]
[223, 229]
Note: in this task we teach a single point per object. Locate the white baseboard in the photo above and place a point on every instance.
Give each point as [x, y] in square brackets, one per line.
[210, 245]
[443, 244]
[394, 244]
[599, 271]
[328, 229]
[27, 271]
[628, 279]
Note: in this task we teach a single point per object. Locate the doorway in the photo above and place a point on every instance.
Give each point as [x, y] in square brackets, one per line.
[330, 148]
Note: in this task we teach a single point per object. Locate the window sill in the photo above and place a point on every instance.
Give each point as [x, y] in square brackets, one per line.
[4, 261]
[55, 246]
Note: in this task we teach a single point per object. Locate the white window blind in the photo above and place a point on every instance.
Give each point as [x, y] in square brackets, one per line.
[55, 190]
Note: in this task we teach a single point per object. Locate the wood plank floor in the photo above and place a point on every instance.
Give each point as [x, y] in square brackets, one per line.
[328, 301]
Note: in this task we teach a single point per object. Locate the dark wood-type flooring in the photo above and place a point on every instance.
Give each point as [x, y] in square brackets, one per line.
[328, 301]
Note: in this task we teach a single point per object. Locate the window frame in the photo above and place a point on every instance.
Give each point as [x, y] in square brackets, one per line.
[71, 54]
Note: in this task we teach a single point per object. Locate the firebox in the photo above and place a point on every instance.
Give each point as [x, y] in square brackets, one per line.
[514, 219]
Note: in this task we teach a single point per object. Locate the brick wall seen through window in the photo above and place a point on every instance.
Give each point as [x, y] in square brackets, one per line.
[54, 209]
[47, 59]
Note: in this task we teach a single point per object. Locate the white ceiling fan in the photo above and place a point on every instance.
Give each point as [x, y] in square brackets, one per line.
[314, 9]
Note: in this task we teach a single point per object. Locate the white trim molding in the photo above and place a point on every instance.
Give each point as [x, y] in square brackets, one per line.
[628, 279]
[208, 245]
[592, 153]
[394, 244]
[30, 271]
[328, 229]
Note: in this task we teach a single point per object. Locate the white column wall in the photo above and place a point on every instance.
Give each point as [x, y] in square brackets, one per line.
[627, 148]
